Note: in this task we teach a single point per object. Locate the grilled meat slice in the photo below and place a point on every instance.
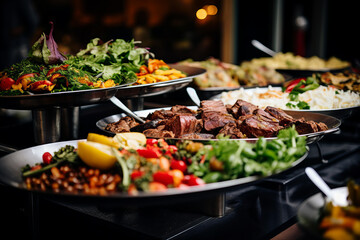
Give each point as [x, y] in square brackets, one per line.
[123, 125]
[303, 127]
[215, 120]
[213, 106]
[184, 124]
[284, 118]
[161, 114]
[241, 108]
[231, 130]
[156, 133]
[255, 127]
[198, 136]
[180, 109]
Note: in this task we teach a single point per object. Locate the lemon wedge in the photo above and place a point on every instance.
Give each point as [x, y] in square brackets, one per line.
[132, 140]
[94, 137]
[96, 155]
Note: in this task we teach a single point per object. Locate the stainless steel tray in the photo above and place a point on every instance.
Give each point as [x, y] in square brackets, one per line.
[10, 175]
[153, 89]
[59, 99]
[332, 123]
[341, 113]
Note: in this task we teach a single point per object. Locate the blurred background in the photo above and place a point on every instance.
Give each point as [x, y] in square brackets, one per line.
[180, 29]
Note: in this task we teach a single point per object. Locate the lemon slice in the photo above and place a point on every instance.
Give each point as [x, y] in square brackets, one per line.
[96, 155]
[132, 140]
[94, 137]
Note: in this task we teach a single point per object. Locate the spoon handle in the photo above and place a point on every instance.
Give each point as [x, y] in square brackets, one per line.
[263, 48]
[128, 112]
[193, 95]
[319, 182]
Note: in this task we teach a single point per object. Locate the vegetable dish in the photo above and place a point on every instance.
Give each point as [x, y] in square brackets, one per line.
[129, 162]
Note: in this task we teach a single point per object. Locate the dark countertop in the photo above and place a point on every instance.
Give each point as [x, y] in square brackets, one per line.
[258, 211]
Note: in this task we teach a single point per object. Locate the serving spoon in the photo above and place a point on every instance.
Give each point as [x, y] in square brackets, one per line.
[193, 95]
[263, 48]
[127, 111]
[320, 183]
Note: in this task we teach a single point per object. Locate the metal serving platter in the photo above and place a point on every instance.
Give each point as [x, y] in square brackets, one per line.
[92, 96]
[332, 123]
[308, 72]
[153, 89]
[340, 113]
[59, 99]
[10, 175]
[309, 212]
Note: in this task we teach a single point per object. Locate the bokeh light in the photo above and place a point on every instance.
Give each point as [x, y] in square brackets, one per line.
[201, 14]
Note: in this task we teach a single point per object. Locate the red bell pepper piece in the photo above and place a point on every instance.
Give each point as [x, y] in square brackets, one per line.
[149, 152]
[136, 174]
[26, 76]
[52, 70]
[151, 141]
[163, 177]
[295, 82]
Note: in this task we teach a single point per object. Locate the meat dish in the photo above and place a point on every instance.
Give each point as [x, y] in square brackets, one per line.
[214, 119]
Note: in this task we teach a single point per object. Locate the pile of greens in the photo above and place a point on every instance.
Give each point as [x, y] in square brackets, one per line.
[117, 60]
[227, 159]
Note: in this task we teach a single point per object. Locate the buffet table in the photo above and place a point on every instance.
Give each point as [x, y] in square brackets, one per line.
[263, 210]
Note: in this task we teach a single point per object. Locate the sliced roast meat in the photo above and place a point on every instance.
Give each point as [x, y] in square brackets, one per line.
[241, 108]
[231, 130]
[265, 116]
[123, 125]
[284, 118]
[147, 125]
[321, 126]
[303, 127]
[161, 114]
[183, 124]
[156, 133]
[213, 106]
[180, 109]
[255, 127]
[198, 136]
[214, 120]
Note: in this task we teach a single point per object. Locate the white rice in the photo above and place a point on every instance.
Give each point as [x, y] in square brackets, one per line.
[320, 98]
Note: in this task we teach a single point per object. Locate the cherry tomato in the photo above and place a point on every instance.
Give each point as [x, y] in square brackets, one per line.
[178, 164]
[156, 186]
[178, 176]
[47, 157]
[164, 164]
[136, 174]
[132, 189]
[6, 84]
[163, 177]
[192, 180]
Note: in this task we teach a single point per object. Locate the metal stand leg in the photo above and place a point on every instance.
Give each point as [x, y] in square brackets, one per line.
[46, 124]
[70, 123]
[320, 153]
[34, 215]
[215, 206]
[135, 104]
